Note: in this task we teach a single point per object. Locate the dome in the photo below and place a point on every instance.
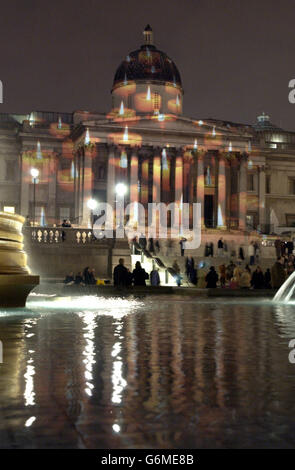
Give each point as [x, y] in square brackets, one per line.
[147, 64]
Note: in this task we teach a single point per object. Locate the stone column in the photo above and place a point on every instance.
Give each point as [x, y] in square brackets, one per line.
[87, 188]
[26, 180]
[221, 206]
[261, 189]
[201, 186]
[75, 187]
[111, 183]
[166, 168]
[51, 208]
[144, 178]
[179, 180]
[134, 176]
[157, 177]
[243, 192]
[134, 184]
[78, 187]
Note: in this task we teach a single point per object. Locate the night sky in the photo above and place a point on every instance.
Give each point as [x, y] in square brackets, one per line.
[235, 57]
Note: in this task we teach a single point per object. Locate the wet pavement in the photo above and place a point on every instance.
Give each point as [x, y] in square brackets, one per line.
[164, 372]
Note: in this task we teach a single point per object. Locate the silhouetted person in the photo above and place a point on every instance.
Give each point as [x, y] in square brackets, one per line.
[257, 280]
[251, 253]
[157, 246]
[220, 247]
[69, 280]
[241, 253]
[177, 275]
[151, 247]
[182, 246]
[92, 277]
[139, 275]
[79, 279]
[290, 247]
[278, 275]
[283, 247]
[142, 241]
[278, 247]
[121, 275]
[267, 279]
[87, 276]
[211, 278]
[154, 277]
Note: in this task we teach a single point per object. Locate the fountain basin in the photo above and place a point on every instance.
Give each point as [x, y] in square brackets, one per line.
[16, 282]
[15, 288]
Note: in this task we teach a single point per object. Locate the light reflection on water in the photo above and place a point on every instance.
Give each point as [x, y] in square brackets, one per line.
[152, 372]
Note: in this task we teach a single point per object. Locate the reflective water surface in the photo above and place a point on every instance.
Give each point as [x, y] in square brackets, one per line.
[156, 372]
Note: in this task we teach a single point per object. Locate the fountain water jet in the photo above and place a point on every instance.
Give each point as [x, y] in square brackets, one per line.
[285, 292]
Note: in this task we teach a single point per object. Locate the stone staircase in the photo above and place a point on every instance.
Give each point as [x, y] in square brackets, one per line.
[148, 261]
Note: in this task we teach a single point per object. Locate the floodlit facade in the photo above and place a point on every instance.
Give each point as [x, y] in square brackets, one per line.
[243, 175]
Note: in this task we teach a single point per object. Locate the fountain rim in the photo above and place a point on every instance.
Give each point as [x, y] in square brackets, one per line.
[13, 217]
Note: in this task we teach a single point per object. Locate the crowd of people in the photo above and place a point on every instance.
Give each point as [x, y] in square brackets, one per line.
[85, 278]
[239, 272]
[123, 277]
[223, 250]
[235, 276]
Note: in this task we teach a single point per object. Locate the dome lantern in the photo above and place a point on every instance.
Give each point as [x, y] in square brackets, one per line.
[147, 82]
[148, 35]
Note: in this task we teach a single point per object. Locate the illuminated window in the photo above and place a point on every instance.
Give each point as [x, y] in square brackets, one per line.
[156, 101]
[250, 182]
[101, 172]
[9, 209]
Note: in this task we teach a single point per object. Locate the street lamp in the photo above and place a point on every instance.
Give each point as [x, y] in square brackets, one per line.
[35, 174]
[121, 190]
[92, 205]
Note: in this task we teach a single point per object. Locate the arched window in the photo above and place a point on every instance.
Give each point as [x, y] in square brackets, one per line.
[156, 101]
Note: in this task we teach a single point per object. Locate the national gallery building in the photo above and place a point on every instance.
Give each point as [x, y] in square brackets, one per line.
[243, 175]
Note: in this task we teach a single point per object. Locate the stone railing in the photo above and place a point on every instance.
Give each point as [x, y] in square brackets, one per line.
[60, 236]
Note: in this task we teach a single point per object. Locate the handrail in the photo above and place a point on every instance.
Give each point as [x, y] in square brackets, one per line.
[159, 262]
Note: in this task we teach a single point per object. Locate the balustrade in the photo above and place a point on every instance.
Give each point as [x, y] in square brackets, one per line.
[60, 236]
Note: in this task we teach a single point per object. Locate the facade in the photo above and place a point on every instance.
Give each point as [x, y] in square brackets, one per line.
[243, 175]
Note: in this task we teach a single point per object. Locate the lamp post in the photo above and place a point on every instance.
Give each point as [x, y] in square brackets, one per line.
[121, 190]
[91, 204]
[35, 174]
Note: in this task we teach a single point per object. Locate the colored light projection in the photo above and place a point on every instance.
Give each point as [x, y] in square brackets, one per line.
[66, 167]
[210, 170]
[44, 160]
[147, 82]
[125, 137]
[166, 168]
[59, 130]
[147, 98]
[213, 139]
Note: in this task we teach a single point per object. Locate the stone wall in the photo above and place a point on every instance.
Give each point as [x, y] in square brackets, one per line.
[51, 257]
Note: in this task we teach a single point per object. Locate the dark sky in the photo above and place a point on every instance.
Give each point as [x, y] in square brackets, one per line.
[235, 57]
